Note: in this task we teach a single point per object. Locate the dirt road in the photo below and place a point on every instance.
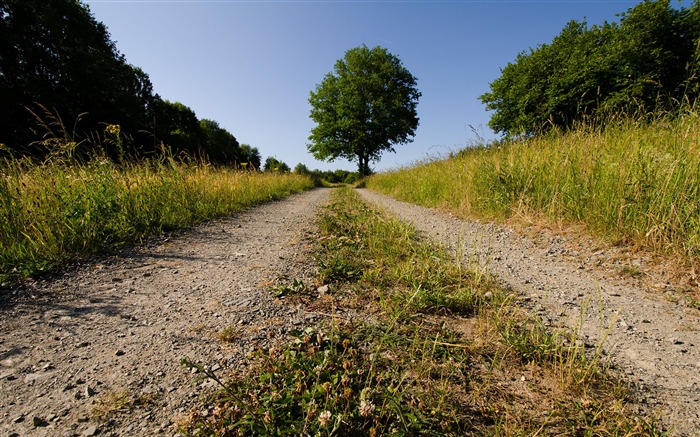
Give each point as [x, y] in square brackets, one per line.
[109, 335]
[118, 327]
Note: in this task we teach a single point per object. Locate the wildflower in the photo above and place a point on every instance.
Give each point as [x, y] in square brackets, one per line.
[366, 408]
[324, 418]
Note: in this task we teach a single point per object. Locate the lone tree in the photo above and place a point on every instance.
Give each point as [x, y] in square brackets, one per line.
[364, 107]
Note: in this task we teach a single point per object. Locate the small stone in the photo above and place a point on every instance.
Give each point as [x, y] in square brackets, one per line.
[323, 289]
[488, 295]
[18, 419]
[90, 431]
[119, 353]
[89, 391]
[39, 421]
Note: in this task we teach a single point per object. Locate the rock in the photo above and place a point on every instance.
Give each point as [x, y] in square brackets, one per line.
[323, 289]
[39, 421]
[119, 353]
[90, 431]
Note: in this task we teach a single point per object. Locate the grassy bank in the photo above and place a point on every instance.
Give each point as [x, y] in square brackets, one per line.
[435, 348]
[54, 212]
[630, 181]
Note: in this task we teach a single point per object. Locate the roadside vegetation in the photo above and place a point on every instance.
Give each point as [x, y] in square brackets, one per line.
[54, 211]
[633, 182]
[416, 344]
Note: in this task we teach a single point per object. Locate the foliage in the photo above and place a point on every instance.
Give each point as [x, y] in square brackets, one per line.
[177, 126]
[646, 61]
[630, 181]
[275, 165]
[56, 58]
[363, 108]
[250, 157]
[55, 53]
[59, 210]
[302, 169]
[219, 144]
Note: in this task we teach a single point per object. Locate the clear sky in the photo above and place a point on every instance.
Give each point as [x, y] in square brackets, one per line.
[250, 65]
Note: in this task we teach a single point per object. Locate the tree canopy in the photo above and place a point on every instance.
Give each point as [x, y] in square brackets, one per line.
[647, 60]
[53, 52]
[250, 156]
[274, 164]
[55, 55]
[363, 108]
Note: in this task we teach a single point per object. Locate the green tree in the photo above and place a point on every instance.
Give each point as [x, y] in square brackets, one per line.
[219, 144]
[250, 156]
[177, 126]
[646, 61]
[53, 52]
[301, 169]
[274, 164]
[363, 108]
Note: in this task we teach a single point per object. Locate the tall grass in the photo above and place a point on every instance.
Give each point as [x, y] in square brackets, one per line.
[53, 212]
[629, 180]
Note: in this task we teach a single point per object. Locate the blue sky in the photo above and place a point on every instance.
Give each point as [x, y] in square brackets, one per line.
[250, 65]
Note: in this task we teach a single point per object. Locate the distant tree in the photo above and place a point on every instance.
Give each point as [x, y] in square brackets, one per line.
[301, 169]
[219, 144]
[363, 108]
[53, 52]
[177, 126]
[273, 164]
[250, 156]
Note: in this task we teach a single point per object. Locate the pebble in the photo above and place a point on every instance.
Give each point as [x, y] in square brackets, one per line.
[90, 431]
[39, 421]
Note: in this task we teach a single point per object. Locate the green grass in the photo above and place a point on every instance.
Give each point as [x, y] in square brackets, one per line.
[436, 349]
[53, 212]
[629, 181]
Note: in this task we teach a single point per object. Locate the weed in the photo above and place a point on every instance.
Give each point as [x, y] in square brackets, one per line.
[295, 288]
[434, 358]
[115, 402]
[229, 334]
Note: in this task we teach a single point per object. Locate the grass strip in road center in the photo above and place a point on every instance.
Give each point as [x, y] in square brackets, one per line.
[434, 348]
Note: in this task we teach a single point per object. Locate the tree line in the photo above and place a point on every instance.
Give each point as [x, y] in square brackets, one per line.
[646, 62]
[57, 62]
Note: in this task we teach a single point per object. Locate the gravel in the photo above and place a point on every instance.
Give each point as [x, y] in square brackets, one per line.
[121, 324]
[648, 337]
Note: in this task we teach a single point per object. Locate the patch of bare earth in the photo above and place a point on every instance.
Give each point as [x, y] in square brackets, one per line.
[652, 338]
[98, 349]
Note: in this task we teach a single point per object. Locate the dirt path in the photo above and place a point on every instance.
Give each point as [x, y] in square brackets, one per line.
[117, 329]
[653, 340]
